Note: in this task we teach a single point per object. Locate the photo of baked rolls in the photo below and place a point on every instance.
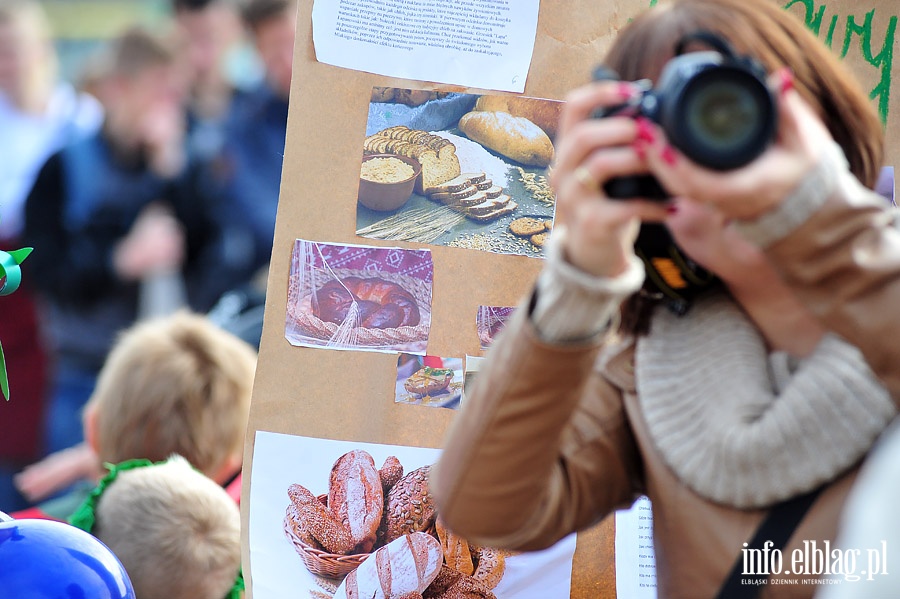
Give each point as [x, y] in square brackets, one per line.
[382, 515]
[321, 509]
[359, 297]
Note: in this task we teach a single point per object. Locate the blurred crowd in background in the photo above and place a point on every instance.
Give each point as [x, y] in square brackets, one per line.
[143, 166]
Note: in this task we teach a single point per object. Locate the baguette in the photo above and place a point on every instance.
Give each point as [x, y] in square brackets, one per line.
[543, 113]
[515, 137]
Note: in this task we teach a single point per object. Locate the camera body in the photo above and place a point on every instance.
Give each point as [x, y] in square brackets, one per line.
[714, 107]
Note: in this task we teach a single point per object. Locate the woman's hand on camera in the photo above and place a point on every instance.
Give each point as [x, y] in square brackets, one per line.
[590, 152]
[758, 187]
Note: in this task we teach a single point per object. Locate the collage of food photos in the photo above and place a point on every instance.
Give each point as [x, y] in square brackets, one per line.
[458, 170]
[340, 519]
[357, 297]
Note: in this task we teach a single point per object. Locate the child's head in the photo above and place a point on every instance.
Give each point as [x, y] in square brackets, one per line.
[177, 532]
[272, 24]
[174, 385]
[140, 77]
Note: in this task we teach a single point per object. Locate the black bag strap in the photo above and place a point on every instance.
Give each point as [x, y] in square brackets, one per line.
[778, 527]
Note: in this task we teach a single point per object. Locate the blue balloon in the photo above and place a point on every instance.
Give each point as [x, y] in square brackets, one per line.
[43, 559]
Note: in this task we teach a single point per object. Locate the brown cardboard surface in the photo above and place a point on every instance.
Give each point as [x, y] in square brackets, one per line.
[328, 394]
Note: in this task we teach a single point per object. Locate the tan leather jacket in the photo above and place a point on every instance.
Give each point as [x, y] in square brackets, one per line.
[844, 261]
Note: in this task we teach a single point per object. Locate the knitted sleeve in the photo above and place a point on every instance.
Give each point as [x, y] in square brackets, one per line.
[574, 306]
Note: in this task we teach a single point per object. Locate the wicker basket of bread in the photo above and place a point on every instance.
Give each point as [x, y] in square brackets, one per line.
[391, 308]
[317, 560]
[369, 511]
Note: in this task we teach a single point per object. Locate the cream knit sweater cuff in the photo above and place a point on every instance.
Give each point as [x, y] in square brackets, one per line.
[806, 199]
[573, 305]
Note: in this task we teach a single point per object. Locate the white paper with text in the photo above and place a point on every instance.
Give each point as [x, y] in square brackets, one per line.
[635, 560]
[485, 44]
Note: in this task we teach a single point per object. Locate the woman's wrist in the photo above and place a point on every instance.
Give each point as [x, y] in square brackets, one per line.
[573, 305]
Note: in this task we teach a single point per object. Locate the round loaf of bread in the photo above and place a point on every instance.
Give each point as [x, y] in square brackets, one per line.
[381, 304]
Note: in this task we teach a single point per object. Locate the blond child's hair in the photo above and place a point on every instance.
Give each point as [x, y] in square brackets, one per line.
[173, 385]
[176, 532]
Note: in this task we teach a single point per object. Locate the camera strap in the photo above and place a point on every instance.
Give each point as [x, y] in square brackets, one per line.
[669, 271]
[777, 528]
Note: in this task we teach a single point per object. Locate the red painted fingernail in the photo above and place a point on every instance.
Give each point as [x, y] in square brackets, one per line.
[645, 130]
[672, 208]
[787, 80]
[640, 148]
[626, 90]
[669, 156]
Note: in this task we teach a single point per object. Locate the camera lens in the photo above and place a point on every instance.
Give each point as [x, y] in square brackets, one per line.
[727, 118]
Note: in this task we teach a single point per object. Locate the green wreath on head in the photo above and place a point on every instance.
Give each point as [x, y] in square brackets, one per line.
[85, 516]
[11, 275]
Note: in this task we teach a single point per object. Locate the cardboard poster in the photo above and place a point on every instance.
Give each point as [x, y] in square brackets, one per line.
[320, 399]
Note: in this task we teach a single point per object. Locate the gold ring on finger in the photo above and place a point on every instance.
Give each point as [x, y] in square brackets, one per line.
[585, 178]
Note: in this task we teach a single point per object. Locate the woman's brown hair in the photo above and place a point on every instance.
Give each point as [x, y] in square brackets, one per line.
[776, 38]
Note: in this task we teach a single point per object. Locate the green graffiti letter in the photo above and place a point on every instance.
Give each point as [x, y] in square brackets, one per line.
[883, 61]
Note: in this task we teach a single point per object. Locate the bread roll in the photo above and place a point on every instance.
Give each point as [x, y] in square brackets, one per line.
[315, 520]
[406, 565]
[390, 472]
[515, 137]
[543, 113]
[456, 550]
[408, 506]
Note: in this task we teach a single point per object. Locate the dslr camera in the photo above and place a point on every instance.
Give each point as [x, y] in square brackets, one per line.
[714, 107]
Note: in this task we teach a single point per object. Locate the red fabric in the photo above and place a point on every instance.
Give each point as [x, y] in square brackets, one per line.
[33, 513]
[234, 489]
[433, 361]
[26, 367]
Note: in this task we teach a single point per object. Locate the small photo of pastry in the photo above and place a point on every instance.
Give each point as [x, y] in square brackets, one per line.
[429, 381]
[359, 297]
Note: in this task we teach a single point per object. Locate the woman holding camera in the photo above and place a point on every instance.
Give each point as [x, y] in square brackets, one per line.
[724, 399]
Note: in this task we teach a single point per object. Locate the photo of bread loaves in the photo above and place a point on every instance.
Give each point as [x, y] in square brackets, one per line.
[479, 162]
[371, 515]
[320, 509]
